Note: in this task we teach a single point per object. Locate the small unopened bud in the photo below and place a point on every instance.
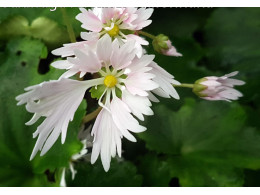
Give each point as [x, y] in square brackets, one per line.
[163, 45]
[218, 88]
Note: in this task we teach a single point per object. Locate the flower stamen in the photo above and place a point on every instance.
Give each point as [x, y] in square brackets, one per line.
[114, 31]
[110, 81]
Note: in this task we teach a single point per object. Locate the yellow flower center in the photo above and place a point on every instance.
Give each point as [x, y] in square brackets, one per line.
[110, 81]
[114, 31]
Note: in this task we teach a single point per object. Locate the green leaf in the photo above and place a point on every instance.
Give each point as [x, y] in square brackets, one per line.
[120, 174]
[33, 13]
[96, 92]
[178, 22]
[192, 172]
[20, 70]
[155, 171]
[211, 133]
[41, 28]
[232, 44]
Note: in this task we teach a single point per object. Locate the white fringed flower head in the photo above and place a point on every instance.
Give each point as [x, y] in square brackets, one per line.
[124, 90]
[118, 23]
[218, 88]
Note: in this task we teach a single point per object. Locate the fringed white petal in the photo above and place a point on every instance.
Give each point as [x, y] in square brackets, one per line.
[58, 102]
[122, 117]
[122, 56]
[165, 81]
[107, 139]
[89, 20]
[138, 105]
[68, 49]
[142, 18]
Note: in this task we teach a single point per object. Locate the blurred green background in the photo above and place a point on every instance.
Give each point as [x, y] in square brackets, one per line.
[189, 142]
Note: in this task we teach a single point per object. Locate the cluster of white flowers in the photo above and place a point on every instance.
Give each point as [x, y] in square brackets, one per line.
[126, 81]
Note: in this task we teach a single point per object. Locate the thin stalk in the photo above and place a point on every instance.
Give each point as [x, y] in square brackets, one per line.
[89, 117]
[184, 85]
[146, 34]
[68, 25]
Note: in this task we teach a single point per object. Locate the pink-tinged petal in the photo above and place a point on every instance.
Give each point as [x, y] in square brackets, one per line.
[139, 83]
[219, 88]
[143, 24]
[232, 82]
[62, 64]
[89, 20]
[129, 14]
[90, 36]
[211, 83]
[138, 39]
[122, 117]
[139, 79]
[107, 14]
[122, 57]
[107, 139]
[230, 93]
[138, 105]
[138, 44]
[71, 72]
[230, 74]
[68, 49]
[171, 51]
[143, 15]
[165, 82]
[85, 61]
[138, 64]
[104, 48]
[58, 102]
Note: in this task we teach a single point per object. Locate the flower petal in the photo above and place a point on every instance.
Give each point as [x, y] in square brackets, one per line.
[58, 102]
[68, 49]
[89, 20]
[138, 105]
[104, 48]
[122, 117]
[107, 139]
[165, 81]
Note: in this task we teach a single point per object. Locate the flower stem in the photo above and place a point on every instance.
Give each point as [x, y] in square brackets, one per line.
[91, 116]
[146, 34]
[68, 24]
[184, 85]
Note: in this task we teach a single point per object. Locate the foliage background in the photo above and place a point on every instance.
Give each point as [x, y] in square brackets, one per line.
[190, 142]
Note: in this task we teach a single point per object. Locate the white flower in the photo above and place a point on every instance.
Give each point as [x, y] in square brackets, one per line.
[57, 101]
[118, 23]
[124, 88]
[218, 88]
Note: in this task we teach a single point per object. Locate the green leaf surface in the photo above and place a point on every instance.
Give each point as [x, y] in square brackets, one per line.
[20, 70]
[232, 43]
[155, 171]
[120, 174]
[41, 28]
[40, 23]
[193, 173]
[208, 136]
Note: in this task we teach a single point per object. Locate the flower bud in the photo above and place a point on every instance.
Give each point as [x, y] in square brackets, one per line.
[218, 88]
[163, 45]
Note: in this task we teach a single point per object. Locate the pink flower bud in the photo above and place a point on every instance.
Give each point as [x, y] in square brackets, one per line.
[218, 88]
[163, 45]
[171, 51]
